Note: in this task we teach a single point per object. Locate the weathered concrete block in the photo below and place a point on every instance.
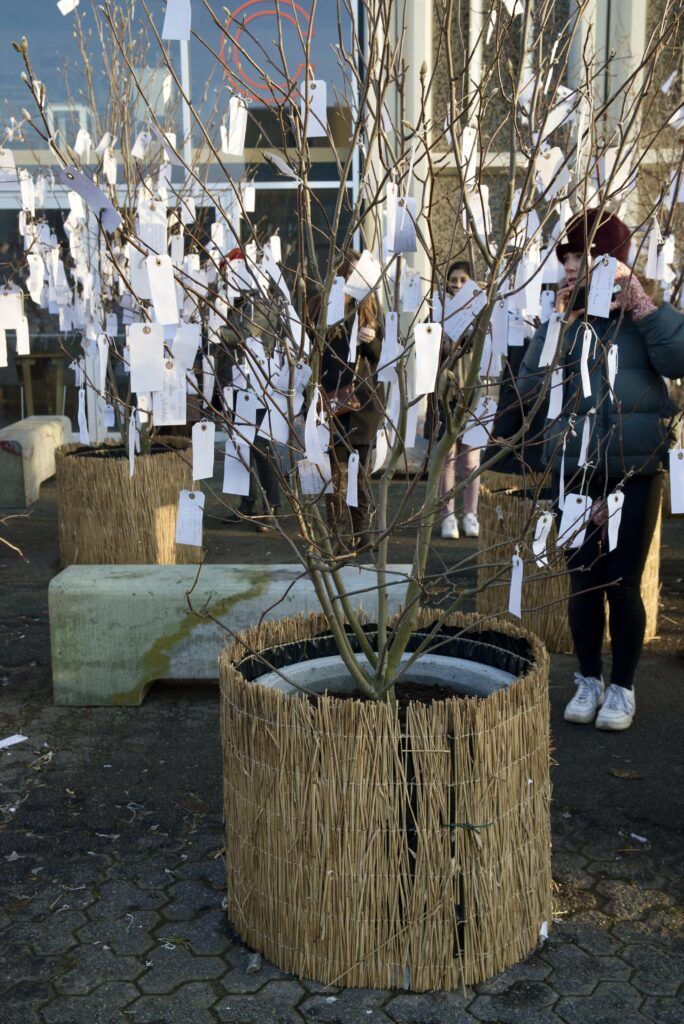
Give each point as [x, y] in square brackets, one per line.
[115, 629]
[27, 457]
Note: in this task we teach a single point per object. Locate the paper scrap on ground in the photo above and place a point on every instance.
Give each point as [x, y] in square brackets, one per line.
[11, 741]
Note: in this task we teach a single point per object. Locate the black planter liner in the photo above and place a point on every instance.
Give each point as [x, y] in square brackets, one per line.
[488, 647]
[115, 451]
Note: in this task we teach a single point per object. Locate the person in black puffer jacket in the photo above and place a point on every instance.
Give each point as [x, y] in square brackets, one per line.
[627, 441]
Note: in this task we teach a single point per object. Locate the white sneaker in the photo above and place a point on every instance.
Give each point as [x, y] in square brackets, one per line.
[471, 525]
[587, 700]
[450, 527]
[618, 709]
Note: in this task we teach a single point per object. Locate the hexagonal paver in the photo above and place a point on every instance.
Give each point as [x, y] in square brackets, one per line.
[430, 1008]
[131, 934]
[205, 935]
[274, 1004]
[92, 965]
[660, 972]
[534, 969]
[187, 899]
[104, 1005]
[189, 1004]
[242, 979]
[590, 937]
[610, 1003]
[576, 973]
[171, 967]
[627, 900]
[663, 1010]
[524, 1001]
[118, 898]
[360, 1004]
[50, 935]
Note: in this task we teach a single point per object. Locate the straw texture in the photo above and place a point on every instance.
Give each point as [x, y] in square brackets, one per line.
[109, 518]
[350, 855]
[507, 518]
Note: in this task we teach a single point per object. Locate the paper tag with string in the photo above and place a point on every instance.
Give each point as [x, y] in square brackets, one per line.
[353, 338]
[615, 501]
[162, 289]
[84, 435]
[612, 369]
[541, 535]
[515, 592]
[352, 496]
[548, 352]
[335, 311]
[190, 515]
[203, 435]
[574, 520]
[601, 286]
[584, 443]
[587, 336]
[676, 462]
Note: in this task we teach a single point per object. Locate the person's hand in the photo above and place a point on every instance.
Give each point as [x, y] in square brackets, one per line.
[562, 301]
[631, 298]
[366, 333]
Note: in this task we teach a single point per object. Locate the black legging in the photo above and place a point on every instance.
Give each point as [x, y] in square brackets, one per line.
[597, 574]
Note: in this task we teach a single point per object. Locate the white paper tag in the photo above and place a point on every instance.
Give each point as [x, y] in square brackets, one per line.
[391, 350]
[478, 428]
[99, 203]
[541, 535]
[169, 403]
[461, 309]
[427, 345]
[84, 436]
[587, 336]
[236, 471]
[584, 442]
[401, 233]
[352, 496]
[381, 450]
[146, 356]
[601, 286]
[411, 290]
[190, 515]
[177, 20]
[203, 434]
[612, 368]
[133, 441]
[553, 330]
[313, 442]
[353, 338]
[23, 338]
[185, 343]
[162, 289]
[317, 102]
[555, 394]
[364, 277]
[515, 592]
[314, 478]
[574, 520]
[615, 502]
[676, 462]
[233, 141]
[498, 326]
[516, 329]
[547, 303]
[67, 6]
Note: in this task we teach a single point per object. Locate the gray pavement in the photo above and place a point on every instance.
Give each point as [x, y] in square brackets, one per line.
[112, 873]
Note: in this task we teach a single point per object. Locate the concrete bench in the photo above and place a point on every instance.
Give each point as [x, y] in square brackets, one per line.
[27, 457]
[115, 629]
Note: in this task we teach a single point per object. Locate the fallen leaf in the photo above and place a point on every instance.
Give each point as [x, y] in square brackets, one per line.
[625, 773]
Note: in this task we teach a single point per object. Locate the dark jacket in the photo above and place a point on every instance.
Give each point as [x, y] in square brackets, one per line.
[527, 453]
[357, 428]
[629, 434]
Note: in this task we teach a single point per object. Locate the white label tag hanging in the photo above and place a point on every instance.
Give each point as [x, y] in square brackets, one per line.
[237, 127]
[461, 309]
[162, 289]
[584, 443]
[615, 502]
[84, 436]
[498, 326]
[190, 515]
[516, 329]
[177, 20]
[547, 302]
[203, 434]
[677, 480]
[317, 102]
[411, 290]
[553, 330]
[541, 534]
[427, 345]
[236, 472]
[364, 277]
[133, 441]
[313, 444]
[146, 356]
[23, 339]
[612, 369]
[169, 403]
[336, 302]
[353, 338]
[601, 286]
[574, 520]
[315, 479]
[403, 223]
[478, 427]
[555, 394]
[381, 450]
[185, 343]
[515, 592]
[587, 336]
[352, 496]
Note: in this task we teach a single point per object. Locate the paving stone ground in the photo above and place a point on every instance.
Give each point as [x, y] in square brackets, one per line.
[112, 873]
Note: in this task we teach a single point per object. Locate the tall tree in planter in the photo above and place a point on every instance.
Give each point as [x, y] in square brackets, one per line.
[436, 837]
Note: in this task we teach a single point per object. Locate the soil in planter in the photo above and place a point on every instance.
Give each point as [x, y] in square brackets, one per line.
[406, 693]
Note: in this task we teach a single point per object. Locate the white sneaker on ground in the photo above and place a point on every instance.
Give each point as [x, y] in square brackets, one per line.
[471, 525]
[587, 700]
[617, 711]
[450, 527]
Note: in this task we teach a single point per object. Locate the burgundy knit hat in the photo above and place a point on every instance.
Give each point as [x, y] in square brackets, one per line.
[612, 236]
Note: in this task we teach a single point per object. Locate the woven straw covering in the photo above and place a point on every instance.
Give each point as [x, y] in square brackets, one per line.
[107, 517]
[506, 517]
[350, 849]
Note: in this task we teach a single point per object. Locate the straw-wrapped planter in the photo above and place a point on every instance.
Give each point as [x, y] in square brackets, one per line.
[508, 518]
[107, 517]
[375, 845]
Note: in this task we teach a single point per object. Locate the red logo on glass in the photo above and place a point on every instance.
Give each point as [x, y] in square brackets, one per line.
[239, 69]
